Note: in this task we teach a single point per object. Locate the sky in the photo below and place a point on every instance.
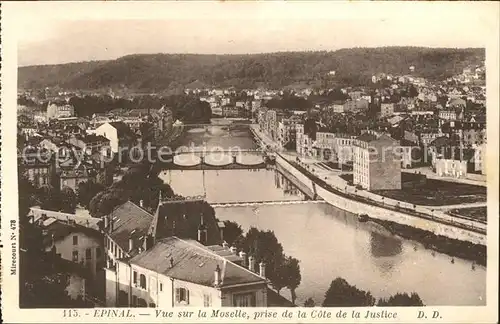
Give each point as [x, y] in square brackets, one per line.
[97, 31]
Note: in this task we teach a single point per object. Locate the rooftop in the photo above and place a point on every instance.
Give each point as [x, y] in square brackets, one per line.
[129, 220]
[193, 262]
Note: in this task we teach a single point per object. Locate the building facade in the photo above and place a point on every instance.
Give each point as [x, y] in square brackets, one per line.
[375, 165]
[183, 273]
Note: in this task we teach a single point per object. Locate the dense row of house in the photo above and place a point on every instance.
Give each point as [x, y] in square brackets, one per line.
[65, 151]
[421, 131]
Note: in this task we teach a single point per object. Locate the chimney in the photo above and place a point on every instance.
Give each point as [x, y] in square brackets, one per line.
[171, 262]
[225, 245]
[130, 244]
[221, 233]
[141, 203]
[262, 269]
[202, 235]
[202, 232]
[251, 263]
[217, 280]
[243, 256]
[233, 250]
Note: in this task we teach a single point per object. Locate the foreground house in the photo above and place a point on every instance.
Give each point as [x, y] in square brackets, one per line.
[180, 273]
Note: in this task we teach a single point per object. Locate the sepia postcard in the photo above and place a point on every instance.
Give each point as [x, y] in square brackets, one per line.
[249, 161]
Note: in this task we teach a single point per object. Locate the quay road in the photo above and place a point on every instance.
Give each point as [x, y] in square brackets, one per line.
[339, 184]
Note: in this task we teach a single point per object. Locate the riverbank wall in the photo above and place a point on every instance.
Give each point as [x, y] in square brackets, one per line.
[384, 214]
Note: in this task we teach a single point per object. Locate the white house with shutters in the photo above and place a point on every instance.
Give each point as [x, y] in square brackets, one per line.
[181, 272]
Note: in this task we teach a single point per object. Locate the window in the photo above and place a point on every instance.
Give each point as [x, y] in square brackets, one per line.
[182, 295]
[75, 256]
[135, 277]
[143, 281]
[98, 252]
[244, 300]
[161, 286]
[134, 300]
[207, 300]
[88, 254]
[75, 240]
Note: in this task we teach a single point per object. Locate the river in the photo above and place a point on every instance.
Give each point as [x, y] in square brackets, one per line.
[328, 242]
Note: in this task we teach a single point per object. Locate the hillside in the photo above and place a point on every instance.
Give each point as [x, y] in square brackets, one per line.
[159, 72]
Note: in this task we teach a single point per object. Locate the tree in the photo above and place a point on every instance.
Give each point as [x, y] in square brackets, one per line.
[232, 232]
[309, 302]
[50, 198]
[401, 299]
[340, 293]
[140, 182]
[105, 201]
[264, 246]
[292, 275]
[68, 200]
[27, 195]
[412, 92]
[279, 275]
[87, 190]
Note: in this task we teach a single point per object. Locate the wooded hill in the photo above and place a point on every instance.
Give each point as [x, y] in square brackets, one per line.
[161, 72]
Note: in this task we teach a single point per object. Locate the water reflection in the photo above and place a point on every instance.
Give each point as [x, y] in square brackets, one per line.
[288, 188]
[384, 246]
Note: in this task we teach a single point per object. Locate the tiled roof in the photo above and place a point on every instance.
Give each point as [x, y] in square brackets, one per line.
[192, 262]
[94, 138]
[366, 137]
[60, 230]
[441, 141]
[129, 220]
[182, 218]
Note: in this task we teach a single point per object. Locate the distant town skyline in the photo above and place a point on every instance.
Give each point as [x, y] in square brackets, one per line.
[244, 28]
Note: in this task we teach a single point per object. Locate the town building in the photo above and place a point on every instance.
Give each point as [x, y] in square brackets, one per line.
[411, 153]
[451, 114]
[55, 111]
[386, 109]
[230, 111]
[286, 131]
[119, 135]
[304, 143]
[299, 137]
[375, 165]
[451, 168]
[179, 272]
[91, 143]
[75, 243]
[480, 158]
[71, 177]
[38, 167]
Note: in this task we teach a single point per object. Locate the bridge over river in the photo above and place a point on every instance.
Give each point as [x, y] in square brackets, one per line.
[264, 203]
[202, 159]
